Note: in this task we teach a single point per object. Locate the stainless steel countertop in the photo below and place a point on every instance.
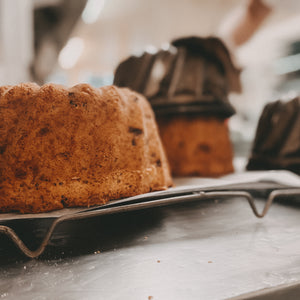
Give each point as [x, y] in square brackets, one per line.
[207, 250]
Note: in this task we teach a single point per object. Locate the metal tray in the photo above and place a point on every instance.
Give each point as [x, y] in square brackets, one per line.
[269, 185]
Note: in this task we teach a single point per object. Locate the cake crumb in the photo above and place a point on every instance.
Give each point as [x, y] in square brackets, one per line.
[150, 297]
[210, 262]
[158, 261]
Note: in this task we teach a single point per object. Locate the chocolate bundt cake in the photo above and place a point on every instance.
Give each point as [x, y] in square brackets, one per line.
[80, 146]
[277, 140]
[188, 86]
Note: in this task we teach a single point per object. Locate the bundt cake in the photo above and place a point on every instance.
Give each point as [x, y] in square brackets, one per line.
[188, 86]
[76, 147]
[277, 139]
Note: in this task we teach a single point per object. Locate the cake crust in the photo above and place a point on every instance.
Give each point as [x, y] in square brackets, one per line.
[80, 146]
[197, 146]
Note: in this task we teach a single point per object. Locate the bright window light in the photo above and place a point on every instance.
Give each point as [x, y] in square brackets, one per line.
[92, 11]
[70, 54]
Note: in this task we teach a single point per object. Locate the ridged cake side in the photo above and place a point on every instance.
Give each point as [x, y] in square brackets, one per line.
[80, 146]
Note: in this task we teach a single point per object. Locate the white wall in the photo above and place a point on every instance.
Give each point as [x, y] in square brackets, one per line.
[16, 41]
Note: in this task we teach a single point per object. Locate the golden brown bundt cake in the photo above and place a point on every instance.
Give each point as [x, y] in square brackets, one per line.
[80, 146]
[196, 146]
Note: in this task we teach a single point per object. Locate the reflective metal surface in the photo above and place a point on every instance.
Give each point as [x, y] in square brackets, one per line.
[186, 251]
[151, 200]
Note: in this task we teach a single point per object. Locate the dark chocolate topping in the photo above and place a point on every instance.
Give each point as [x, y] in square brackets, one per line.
[194, 75]
[277, 140]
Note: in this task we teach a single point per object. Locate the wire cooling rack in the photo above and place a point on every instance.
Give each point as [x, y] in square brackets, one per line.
[270, 191]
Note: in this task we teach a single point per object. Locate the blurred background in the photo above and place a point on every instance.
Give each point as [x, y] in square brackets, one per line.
[74, 41]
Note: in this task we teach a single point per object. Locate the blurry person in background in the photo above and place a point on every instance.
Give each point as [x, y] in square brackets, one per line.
[246, 19]
[242, 23]
[260, 34]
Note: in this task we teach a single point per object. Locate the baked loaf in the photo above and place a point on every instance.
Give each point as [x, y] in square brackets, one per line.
[80, 146]
[277, 139]
[188, 86]
[203, 145]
